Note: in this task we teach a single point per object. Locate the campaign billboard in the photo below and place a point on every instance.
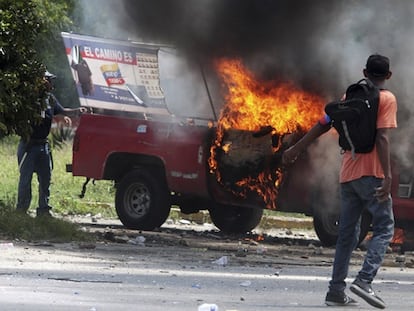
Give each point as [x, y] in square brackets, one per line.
[115, 75]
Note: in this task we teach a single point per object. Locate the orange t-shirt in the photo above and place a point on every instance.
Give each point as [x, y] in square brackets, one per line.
[368, 164]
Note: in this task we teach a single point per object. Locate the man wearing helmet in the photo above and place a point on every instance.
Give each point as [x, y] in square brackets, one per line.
[34, 154]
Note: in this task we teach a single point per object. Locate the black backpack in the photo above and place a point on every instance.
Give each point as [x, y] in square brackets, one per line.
[355, 117]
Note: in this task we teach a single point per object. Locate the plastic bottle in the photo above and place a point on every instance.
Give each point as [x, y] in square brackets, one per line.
[208, 307]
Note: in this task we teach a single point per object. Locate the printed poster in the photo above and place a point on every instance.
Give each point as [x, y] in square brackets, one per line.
[115, 75]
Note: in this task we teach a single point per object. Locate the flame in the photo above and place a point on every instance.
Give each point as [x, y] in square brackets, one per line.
[251, 104]
[398, 237]
[260, 237]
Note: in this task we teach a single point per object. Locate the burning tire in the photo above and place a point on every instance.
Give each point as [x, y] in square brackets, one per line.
[235, 219]
[326, 226]
[142, 201]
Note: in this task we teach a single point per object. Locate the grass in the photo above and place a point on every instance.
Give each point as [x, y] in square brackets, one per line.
[64, 189]
[19, 226]
[64, 197]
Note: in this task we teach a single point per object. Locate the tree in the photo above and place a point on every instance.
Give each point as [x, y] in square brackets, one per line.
[57, 16]
[29, 35]
[21, 73]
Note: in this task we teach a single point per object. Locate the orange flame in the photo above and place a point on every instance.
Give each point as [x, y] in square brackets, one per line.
[398, 237]
[251, 104]
[260, 237]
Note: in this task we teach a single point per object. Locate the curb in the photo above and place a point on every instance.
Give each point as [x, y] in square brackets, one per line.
[267, 222]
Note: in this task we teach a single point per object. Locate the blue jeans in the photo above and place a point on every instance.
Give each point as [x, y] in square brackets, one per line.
[355, 196]
[34, 159]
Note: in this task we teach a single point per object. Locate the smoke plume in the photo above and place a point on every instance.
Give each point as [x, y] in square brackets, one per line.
[320, 45]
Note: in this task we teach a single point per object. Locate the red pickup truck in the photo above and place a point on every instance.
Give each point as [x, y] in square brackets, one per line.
[156, 164]
[159, 163]
[157, 159]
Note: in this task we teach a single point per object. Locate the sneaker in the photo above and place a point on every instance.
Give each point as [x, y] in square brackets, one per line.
[364, 290]
[334, 299]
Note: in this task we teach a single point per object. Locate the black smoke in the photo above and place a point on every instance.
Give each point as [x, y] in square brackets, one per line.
[320, 45]
[273, 37]
[229, 27]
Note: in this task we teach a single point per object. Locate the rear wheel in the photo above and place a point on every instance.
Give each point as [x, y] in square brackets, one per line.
[142, 200]
[235, 219]
[326, 226]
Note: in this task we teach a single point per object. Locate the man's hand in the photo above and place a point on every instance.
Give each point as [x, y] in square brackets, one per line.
[83, 109]
[292, 153]
[383, 193]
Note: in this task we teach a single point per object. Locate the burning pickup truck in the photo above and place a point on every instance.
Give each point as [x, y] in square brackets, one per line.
[229, 164]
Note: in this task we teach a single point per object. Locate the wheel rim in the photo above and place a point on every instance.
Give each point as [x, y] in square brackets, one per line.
[137, 200]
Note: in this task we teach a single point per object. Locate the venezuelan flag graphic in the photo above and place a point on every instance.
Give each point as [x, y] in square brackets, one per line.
[112, 74]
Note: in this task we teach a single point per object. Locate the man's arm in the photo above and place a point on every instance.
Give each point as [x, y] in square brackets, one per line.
[73, 112]
[68, 112]
[382, 143]
[293, 152]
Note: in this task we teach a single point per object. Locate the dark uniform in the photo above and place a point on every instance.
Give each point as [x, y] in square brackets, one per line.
[34, 156]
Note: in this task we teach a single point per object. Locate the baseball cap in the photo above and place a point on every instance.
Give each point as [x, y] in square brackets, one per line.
[49, 75]
[378, 65]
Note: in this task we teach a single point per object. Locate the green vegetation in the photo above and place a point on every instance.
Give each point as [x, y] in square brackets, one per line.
[30, 41]
[23, 227]
[64, 198]
[65, 188]
[21, 73]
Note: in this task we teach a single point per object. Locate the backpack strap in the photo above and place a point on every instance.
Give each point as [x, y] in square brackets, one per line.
[365, 86]
[348, 138]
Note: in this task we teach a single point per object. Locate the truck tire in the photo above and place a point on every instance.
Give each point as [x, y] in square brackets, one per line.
[142, 200]
[326, 224]
[235, 219]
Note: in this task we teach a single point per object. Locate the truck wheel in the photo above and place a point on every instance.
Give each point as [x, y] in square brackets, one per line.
[235, 219]
[326, 226]
[142, 200]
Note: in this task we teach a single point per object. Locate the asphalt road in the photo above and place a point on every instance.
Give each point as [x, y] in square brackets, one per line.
[181, 267]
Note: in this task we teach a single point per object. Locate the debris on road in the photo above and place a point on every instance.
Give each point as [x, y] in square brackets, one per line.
[222, 261]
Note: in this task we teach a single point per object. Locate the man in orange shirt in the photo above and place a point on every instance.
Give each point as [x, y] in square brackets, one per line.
[365, 182]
